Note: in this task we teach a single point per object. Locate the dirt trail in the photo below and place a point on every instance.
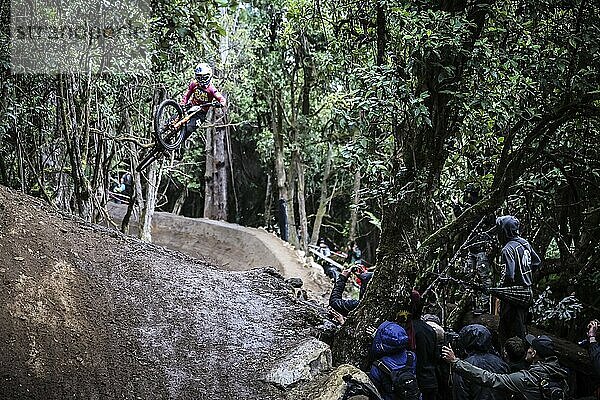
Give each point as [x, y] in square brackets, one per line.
[88, 313]
[230, 246]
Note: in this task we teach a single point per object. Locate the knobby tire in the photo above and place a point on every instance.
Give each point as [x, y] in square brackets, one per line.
[167, 112]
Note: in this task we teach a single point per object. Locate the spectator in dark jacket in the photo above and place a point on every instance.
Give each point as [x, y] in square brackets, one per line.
[476, 341]
[341, 305]
[594, 349]
[524, 385]
[422, 340]
[389, 347]
[519, 260]
[514, 354]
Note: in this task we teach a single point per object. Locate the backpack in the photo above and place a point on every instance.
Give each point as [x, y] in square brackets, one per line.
[404, 381]
[554, 389]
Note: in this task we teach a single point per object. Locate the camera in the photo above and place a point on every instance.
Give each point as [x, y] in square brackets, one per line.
[451, 338]
[586, 342]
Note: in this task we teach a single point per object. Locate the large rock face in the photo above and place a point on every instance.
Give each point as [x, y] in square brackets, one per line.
[88, 313]
[302, 364]
[345, 380]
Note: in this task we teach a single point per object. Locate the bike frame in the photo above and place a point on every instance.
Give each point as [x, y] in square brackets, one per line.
[158, 149]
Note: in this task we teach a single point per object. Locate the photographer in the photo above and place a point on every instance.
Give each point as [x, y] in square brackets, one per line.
[526, 384]
[344, 306]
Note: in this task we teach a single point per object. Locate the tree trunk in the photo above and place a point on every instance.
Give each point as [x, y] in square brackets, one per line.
[303, 241]
[324, 198]
[291, 214]
[209, 174]
[388, 290]
[215, 191]
[282, 182]
[268, 202]
[355, 203]
[220, 174]
[381, 32]
[20, 161]
[70, 125]
[180, 201]
[152, 185]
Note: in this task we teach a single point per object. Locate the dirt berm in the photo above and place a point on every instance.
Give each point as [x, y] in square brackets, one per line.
[88, 313]
[229, 246]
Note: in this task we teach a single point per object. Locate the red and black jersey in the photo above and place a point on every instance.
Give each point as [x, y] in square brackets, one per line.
[197, 95]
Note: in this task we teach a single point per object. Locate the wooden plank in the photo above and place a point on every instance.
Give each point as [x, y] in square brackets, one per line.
[329, 260]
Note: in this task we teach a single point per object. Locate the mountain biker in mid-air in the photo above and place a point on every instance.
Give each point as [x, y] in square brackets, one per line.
[200, 91]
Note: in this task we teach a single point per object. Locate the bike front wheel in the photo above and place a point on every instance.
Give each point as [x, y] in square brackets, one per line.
[168, 113]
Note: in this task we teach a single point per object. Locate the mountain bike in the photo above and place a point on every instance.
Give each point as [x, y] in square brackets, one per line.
[170, 121]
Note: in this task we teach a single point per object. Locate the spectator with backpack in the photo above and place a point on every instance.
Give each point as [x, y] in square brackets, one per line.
[476, 342]
[394, 370]
[544, 380]
[519, 260]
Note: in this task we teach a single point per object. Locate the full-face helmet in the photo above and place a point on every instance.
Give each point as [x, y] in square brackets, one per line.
[203, 73]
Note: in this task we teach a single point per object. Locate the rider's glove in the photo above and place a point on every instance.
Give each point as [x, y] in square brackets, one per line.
[186, 107]
[217, 104]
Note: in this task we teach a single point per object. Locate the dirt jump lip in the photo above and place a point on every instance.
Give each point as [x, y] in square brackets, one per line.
[90, 313]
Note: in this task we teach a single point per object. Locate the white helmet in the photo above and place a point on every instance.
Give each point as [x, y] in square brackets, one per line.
[203, 74]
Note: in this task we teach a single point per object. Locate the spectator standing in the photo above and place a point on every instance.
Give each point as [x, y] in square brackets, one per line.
[476, 341]
[124, 189]
[127, 183]
[594, 348]
[526, 384]
[422, 340]
[283, 221]
[518, 258]
[353, 253]
[329, 269]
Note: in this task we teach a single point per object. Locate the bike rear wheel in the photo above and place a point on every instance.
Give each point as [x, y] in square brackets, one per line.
[168, 113]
